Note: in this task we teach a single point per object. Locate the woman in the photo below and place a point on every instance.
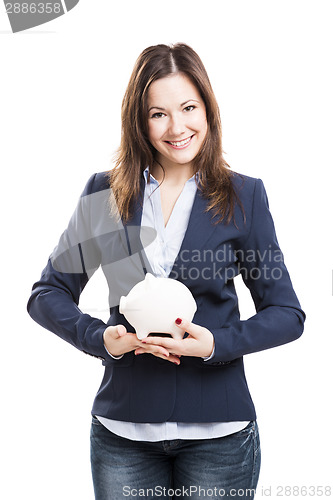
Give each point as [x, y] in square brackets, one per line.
[172, 417]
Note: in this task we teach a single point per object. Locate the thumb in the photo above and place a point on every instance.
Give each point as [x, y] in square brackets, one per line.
[191, 328]
[121, 330]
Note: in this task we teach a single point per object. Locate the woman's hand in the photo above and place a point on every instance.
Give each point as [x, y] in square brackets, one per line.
[199, 343]
[118, 341]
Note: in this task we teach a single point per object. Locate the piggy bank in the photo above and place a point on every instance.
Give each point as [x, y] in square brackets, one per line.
[154, 304]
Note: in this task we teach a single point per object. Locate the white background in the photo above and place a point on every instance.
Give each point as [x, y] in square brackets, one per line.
[270, 63]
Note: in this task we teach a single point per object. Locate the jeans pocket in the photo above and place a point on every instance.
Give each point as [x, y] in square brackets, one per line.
[249, 428]
[95, 421]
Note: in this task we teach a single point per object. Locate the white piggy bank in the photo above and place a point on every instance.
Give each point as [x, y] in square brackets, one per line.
[154, 304]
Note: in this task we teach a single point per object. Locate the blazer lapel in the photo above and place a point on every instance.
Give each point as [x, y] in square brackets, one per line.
[134, 223]
[132, 233]
[200, 228]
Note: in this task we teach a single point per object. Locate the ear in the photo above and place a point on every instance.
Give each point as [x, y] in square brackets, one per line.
[149, 281]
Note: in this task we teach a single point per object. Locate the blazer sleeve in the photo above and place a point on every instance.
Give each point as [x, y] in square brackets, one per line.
[55, 297]
[279, 318]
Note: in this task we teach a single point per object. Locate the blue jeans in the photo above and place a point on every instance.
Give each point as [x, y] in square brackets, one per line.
[180, 468]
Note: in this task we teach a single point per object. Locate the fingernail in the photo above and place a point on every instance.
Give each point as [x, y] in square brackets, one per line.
[178, 321]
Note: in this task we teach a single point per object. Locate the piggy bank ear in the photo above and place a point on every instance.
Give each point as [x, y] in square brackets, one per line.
[149, 281]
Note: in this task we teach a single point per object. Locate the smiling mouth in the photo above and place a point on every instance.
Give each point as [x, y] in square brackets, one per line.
[180, 144]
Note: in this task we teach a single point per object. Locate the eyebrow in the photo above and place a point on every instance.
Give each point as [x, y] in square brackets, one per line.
[182, 104]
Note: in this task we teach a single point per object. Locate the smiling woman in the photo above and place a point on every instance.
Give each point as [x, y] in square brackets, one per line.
[172, 414]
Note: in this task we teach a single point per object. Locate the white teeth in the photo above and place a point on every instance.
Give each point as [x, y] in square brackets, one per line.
[180, 143]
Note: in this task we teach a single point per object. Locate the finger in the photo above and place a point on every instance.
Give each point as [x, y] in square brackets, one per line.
[172, 359]
[167, 342]
[152, 350]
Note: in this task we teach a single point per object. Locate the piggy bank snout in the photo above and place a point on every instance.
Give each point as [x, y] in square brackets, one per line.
[129, 305]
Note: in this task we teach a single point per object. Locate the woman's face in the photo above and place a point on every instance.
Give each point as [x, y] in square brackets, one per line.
[177, 123]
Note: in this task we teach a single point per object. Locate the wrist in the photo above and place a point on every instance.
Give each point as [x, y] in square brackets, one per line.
[107, 339]
[112, 356]
[210, 344]
[206, 358]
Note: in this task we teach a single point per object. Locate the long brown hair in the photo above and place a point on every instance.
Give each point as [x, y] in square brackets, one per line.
[136, 153]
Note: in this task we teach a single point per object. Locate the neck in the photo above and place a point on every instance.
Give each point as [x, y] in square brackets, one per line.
[171, 172]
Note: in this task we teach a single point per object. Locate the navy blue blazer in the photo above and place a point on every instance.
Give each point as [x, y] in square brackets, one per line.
[146, 388]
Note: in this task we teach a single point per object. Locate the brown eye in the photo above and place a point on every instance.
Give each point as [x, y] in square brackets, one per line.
[157, 115]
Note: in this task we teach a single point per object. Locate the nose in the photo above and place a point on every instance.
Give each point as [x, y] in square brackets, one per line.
[176, 126]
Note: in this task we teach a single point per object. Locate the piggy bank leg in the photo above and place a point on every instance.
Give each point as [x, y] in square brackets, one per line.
[177, 335]
[141, 334]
